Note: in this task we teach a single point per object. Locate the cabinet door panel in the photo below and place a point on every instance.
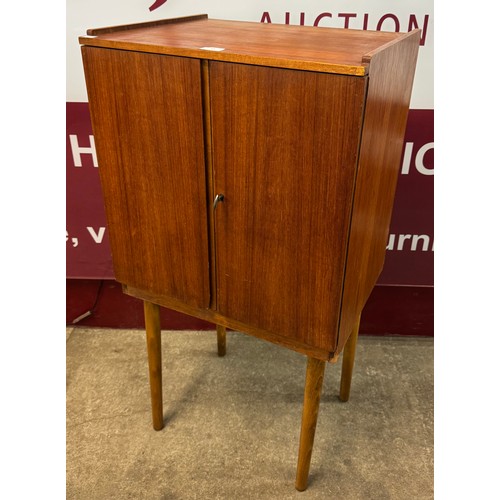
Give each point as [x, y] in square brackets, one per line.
[146, 112]
[285, 148]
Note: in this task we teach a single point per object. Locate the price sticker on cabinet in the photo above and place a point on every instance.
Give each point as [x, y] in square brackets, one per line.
[216, 49]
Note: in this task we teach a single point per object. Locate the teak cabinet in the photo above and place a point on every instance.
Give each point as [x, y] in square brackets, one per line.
[248, 173]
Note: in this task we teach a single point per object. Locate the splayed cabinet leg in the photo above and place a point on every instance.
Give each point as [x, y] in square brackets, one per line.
[221, 340]
[312, 395]
[348, 363]
[153, 338]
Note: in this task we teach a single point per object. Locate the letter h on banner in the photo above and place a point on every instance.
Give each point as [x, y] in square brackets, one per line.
[78, 150]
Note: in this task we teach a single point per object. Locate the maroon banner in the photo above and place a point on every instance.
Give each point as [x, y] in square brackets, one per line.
[410, 248]
[88, 254]
[409, 258]
[390, 310]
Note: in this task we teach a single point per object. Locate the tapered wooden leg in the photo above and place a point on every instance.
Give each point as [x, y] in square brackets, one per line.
[221, 340]
[312, 396]
[153, 337]
[348, 363]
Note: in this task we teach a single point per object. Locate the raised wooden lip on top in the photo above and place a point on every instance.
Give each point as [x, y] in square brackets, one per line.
[328, 50]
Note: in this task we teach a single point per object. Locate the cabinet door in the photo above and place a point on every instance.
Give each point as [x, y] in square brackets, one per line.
[285, 148]
[146, 112]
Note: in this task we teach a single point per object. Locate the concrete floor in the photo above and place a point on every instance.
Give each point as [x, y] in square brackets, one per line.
[232, 424]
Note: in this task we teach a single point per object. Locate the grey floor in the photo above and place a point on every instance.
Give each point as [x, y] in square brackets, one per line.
[232, 424]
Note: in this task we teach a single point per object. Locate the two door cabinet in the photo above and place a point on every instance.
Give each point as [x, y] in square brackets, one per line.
[248, 173]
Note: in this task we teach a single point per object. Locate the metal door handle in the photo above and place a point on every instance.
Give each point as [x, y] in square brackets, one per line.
[218, 198]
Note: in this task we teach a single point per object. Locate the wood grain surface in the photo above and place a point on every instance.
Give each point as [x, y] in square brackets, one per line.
[285, 150]
[388, 99]
[298, 47]
[147, 119]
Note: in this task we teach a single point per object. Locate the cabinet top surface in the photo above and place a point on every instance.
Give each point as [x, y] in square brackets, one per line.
[331, 50]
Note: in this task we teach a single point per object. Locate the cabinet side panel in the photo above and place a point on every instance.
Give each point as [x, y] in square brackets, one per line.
[389, 91]
[285, 154]
[146, 113]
